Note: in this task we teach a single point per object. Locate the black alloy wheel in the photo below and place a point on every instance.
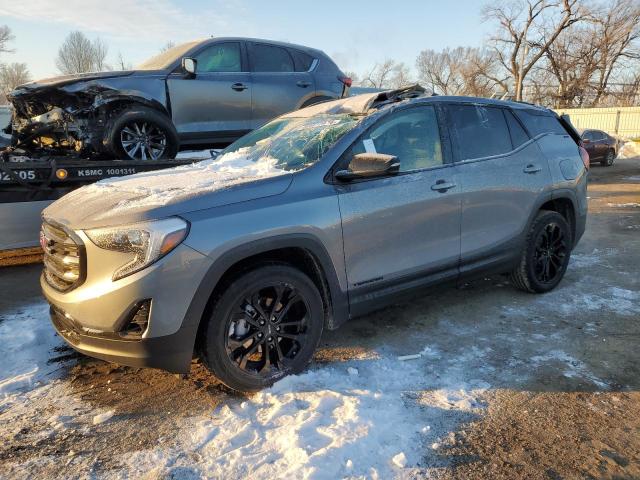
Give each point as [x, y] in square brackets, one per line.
[551, 250]
[267, 328]
[546, 254]
[266, 324]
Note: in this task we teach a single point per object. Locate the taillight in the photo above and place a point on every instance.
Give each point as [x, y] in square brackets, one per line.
[585, 157]
[346, 80]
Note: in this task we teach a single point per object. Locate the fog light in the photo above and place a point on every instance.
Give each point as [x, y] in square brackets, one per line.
[139, 322]
[61, 174]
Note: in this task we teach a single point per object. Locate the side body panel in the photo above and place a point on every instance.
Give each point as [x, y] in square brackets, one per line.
[397, 230]
[499, 195]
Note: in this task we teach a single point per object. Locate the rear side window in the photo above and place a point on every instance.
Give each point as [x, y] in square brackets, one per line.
[301, 61]
[479, 131]
[518, 135]
[269, 58]
[539, 124]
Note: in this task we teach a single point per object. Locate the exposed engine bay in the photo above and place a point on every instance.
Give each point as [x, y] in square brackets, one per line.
[70, 116]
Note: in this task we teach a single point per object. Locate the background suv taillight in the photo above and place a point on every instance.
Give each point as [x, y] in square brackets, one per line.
[585, 157]
[346, 81]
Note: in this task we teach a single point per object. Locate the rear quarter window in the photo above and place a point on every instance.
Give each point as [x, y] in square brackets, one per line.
[518, 134]
[479, 131]
[301, 61]
[539, 124]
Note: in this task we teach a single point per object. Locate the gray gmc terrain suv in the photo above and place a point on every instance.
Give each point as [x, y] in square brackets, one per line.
[321, 215]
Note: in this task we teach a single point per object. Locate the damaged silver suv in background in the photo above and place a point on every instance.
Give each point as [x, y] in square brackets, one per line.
[208, 92]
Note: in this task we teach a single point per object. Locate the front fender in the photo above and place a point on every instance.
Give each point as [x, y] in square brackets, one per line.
[339, 305]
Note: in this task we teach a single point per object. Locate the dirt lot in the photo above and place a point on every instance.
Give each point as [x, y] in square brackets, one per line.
[508, 385]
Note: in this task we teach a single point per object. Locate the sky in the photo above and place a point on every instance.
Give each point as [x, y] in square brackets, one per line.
[356, 34]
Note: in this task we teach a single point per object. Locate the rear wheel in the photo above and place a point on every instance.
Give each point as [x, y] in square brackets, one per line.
[609, 159]
[546, 254]
[141, 133]
[265, 325]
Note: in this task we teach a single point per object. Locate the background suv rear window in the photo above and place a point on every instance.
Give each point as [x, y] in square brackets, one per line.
[479, 131]
[539, 124]
[269, 58]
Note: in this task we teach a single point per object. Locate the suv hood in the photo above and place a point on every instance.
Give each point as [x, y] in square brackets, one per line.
[231, 178]
[56, 82]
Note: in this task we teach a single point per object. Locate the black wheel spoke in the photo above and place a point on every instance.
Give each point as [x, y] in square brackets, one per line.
[267, 329]
[245, 356]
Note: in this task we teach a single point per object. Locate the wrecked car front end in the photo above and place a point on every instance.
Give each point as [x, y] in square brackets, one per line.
[70, 115]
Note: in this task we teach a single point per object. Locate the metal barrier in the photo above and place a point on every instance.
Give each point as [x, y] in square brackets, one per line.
[620, 121]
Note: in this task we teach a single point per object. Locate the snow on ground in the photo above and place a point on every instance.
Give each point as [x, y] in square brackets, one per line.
[326, 423]
[630, 149]
[25, 351]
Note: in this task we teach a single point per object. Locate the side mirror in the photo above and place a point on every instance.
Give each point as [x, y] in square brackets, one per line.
[189, 65]
[369, 165]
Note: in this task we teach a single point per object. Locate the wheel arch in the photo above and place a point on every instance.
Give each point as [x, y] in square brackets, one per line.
[563, 203]
[118, 102]
[303, 251]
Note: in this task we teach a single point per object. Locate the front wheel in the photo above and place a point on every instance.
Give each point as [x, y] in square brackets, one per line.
[546, 254]
[266, 324]
[609, 159]
[141, 133]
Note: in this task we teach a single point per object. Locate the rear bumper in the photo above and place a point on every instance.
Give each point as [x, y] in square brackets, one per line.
[170, 352]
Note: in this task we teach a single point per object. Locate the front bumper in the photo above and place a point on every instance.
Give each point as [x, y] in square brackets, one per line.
[91, 317]
[170, 352]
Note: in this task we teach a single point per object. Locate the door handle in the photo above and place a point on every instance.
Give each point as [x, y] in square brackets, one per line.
[531, 168]
[442, 186]
[238, 87]
[303, 84]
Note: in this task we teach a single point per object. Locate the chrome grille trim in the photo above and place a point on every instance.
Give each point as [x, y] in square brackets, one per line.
[63, 258]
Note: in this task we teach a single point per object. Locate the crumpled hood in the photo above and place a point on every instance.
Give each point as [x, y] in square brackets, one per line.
[229, 179]
[56, 82]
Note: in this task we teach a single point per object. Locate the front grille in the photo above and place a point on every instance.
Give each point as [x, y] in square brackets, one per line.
[63, 258]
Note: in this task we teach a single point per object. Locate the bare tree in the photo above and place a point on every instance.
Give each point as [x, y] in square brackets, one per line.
[168, 46]
[526, 30]
[12, 75]
[78, 54]
[460, 71]
[122, 64]
[617, 32]
[5, 37]
[388, 74]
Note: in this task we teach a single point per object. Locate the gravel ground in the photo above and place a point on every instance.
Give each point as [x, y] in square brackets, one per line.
[508, 385]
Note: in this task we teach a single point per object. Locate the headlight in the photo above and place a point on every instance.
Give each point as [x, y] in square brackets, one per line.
[147, 242]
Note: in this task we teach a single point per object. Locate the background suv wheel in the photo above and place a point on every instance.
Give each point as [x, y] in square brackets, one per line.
[546, 254]
[141, 133]
[609, 159]
[264, 326]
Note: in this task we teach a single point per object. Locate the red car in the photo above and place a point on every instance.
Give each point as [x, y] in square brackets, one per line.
[601, 147]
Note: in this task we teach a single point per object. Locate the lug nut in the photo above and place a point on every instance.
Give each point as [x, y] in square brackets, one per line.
[261, 322]
[270, 339]
[277, 329]
[260, 335]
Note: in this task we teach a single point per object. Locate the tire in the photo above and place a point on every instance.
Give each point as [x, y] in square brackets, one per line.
[609, 159]
[242, 345]
[152, 131]
[548, 245]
